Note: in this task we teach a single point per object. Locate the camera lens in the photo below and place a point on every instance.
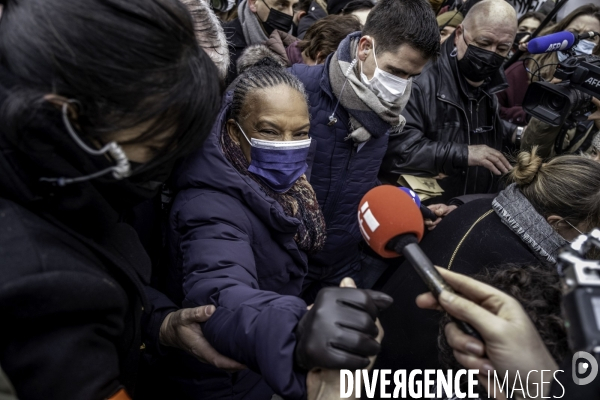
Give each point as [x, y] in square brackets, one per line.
[556, 103]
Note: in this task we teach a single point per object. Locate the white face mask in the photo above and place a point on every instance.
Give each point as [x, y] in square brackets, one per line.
[583, 47]
[386, 86]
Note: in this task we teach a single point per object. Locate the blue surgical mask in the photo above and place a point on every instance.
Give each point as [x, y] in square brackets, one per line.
[583, 47]
[279, 164]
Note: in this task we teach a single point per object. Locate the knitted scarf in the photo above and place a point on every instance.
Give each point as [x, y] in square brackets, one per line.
[251, 26]
[369, 115]
[521, 217]
[253, 31]
[299, 202]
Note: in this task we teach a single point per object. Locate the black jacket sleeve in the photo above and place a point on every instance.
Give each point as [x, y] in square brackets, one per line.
[160, 307]
[60, 335]
[412, 152]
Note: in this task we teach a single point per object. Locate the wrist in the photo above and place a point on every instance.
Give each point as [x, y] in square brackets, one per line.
[164, 333]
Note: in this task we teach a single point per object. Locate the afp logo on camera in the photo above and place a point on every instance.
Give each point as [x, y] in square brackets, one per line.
[585, 368]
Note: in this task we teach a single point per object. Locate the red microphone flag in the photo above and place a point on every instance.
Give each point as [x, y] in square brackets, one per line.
[386, 212]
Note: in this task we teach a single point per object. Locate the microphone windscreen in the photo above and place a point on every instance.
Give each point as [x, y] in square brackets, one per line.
[412, 194]
[386, 212]
[555, 42]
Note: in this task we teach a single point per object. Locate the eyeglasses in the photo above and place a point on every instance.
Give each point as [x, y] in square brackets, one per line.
[574, 227]
[502, 53]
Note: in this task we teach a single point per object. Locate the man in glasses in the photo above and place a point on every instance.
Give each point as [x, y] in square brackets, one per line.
[453, 131]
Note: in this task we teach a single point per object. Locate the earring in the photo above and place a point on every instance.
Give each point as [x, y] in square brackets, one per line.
[454, 52]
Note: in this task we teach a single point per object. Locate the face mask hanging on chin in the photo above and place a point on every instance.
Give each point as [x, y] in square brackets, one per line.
[277, 20]
[386, 86]
[278, 164]
[582, 48]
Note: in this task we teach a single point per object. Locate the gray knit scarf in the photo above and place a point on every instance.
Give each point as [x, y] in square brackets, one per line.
[251, 26]
[521, 217]
[369, 115]
[253, 31]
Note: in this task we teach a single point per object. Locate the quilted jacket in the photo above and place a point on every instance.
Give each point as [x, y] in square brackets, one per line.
[343, 171]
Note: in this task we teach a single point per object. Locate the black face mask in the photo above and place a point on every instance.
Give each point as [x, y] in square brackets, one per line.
[129, 192]
[277, 20]
[478, 64]
[151, 178]
[519, 37]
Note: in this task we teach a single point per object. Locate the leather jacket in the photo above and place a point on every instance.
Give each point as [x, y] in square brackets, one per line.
[437, 133]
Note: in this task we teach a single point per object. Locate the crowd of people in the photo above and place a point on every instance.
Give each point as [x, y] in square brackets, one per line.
[180, 182]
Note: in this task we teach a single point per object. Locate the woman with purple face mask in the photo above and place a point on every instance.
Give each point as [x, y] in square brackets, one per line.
[243, 221]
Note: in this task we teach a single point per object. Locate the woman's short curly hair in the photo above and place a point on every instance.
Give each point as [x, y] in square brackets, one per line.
[538, 290]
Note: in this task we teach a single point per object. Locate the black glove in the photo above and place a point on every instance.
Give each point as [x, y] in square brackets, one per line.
[339, 331]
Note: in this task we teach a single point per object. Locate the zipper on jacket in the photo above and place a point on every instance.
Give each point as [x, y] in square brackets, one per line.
[340, 185]
[468, 138]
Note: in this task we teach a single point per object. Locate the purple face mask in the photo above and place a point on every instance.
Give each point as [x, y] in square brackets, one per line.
[278, 164]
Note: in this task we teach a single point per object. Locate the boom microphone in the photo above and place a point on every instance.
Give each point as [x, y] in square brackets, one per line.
[555, 42]
[391, 224]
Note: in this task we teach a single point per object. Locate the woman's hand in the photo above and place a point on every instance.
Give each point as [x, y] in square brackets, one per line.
[440, 210]
[511, 342]
[181, 329]
[324, 384]
[523, 43]
[595, 116]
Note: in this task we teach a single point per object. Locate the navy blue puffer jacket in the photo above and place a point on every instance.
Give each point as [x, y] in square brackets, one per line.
[233, 246]
[342, 171]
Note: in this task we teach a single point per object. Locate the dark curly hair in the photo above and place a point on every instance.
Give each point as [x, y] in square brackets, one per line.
[538, 290]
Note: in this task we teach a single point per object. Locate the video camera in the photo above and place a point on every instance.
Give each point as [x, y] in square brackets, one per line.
[581, 293]
[571, 99]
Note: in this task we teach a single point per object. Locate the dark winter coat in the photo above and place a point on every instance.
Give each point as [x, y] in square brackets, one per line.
[341, 173]
[511, 100]
[236, 43]
[437, 131]
[315, 13]
[411, 333]
[72, 277]
[233, 246]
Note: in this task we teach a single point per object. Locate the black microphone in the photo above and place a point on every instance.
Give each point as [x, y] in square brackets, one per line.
[391, 233]
[407, 245]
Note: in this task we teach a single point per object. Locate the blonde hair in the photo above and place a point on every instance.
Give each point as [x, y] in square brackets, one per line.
[568, 186]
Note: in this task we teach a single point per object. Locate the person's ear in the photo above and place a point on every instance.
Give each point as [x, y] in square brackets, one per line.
[59, 101]
[233, 131]
[553, 220]
[301, 14]
[320, 59]
[459, 31]
[252, 5]
[364, 48]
